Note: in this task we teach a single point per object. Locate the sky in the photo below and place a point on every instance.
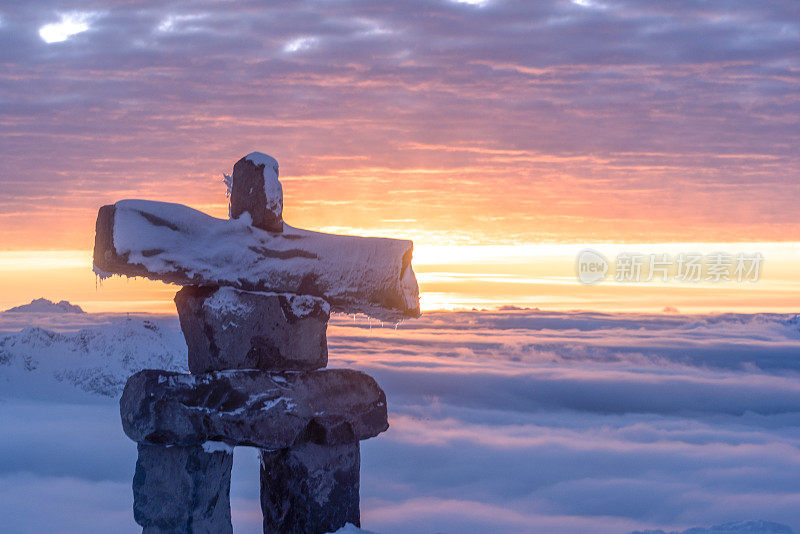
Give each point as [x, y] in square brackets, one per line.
[458, 124]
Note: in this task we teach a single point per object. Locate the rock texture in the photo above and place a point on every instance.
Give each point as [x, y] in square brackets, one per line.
[310, 488]
[253, 408]
[226, 328]
[255, 189]
[182, 490]
[179, 245]
[254, 312]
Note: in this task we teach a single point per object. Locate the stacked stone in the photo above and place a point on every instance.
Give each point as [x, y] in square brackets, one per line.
[257, 379]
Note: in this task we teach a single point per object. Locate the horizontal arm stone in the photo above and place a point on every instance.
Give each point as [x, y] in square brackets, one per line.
[180, 245]
[253, 408]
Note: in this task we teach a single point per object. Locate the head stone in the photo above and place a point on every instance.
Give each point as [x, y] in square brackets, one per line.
[255, 189]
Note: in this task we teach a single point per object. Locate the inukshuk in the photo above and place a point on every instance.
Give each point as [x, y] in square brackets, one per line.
[254, 308]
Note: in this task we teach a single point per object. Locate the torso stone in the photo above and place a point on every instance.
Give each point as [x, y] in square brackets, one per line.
[230, 329]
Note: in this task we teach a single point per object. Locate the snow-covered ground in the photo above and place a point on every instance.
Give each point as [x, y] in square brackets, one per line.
[512, 421]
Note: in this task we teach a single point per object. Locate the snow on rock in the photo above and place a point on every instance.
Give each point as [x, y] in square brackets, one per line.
[272, 187]
[254, 190]
[217, 446]
[47, 306]
[226, 301]
[247, 407]
[305, 305]
[349, 528]
[226, 328]
[97, 359]
[178, 244]
[259, 158]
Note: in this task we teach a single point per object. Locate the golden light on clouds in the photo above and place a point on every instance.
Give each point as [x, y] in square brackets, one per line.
[482, 131]
[455, 277]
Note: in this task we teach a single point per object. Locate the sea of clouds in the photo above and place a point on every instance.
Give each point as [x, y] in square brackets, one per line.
[507, 421]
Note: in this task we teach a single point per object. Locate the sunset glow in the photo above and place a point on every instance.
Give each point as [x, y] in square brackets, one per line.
[500, 162]
[356, 267]
[456, 277]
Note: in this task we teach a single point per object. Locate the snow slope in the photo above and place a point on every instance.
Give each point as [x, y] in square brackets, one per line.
[97, 358]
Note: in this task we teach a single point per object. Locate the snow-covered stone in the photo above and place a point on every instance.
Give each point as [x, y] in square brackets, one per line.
[310, 488]
[255, 189]
[226, 328]
[352, 529]
[182, 490]
[177, 244]
[253, 408]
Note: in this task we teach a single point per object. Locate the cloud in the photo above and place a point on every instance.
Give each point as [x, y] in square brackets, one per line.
[299, 44]
[509, 121]
[51, 504]
[512, 421]
[69, 25]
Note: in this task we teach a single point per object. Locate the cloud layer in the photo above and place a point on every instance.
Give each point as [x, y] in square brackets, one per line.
[514, 421]
[473, 121]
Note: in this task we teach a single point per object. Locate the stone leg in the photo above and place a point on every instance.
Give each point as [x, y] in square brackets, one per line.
[310, 488]
[182, 490]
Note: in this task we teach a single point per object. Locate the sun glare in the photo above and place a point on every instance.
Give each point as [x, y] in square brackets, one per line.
[476, 3]
[299, 44]
[44, 260]
[452, 277]
[69, 25]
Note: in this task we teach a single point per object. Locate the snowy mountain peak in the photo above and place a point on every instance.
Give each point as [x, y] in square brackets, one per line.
[97, 359]
[47, 306]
